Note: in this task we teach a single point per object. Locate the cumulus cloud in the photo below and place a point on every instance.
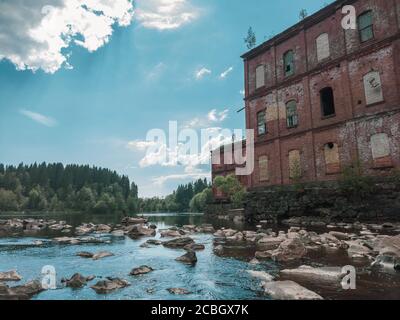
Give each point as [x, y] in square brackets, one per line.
[217, 116]
[224, 74]
[199, 74]
[35, 35]
[165, 14]
[39, 118]
[181, 177]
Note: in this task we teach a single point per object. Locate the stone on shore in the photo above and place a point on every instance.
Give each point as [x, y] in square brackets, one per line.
[101, 255]
[141, 270]
[331, 275]
[270, 243]
[111, 284]
[178, 242]
[10, 276]
[188, 258]
[291, 249]
[289, 290]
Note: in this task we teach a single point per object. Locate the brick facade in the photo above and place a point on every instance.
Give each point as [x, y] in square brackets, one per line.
[364, 78]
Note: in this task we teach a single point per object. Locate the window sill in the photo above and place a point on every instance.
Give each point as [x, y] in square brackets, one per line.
[375, 104]
[328, 117]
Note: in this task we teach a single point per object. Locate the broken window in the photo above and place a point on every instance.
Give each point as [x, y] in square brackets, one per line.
[373, 88]
[260, 76]
[263, 168]
[323, 50]
[288, 61]
[365, 26]
[291, 114]
[332, 160]
[327, 102]
[261, 123]
[294, 165]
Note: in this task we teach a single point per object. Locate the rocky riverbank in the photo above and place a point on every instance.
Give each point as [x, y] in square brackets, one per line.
[294, 249]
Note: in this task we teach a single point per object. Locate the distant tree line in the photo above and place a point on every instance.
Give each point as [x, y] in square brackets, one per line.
[57, 188]
[187, 197]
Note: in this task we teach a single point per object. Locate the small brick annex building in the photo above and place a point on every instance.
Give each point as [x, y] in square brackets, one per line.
[321, 98]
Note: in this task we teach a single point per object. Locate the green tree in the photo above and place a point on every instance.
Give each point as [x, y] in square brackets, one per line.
[8, 200]
[232, 188]
[250, 39]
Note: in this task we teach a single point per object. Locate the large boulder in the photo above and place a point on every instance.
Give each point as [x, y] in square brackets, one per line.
[289, 290]
[101, 255]
[10, 276]
[307, 273]
[141, 270]
[357, 248]
[77, 281]
[23, 292]
[111, 284]
[188, 258]
[178, 242]
[138, 230]
[387, 244]
[194, 247]
[291, 249]
[170, 233]
[262, 275]
[270, 243]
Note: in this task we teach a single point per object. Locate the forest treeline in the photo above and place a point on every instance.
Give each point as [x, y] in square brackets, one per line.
[81, 188]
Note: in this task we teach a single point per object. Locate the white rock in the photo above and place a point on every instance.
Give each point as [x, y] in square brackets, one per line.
[289, 290]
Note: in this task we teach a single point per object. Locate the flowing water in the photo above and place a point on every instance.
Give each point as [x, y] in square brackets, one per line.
[213, 277]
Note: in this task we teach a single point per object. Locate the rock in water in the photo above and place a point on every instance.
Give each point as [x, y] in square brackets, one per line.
[289, 290]
[290, 249]
[188, 258]
[266, 277]
[77, 281]
[10, 276]
[141, 270]
[178, 291]
[23, 292]
[178, 242]
[194, 247]
[84, 254]
[101, 255]
[111, 284]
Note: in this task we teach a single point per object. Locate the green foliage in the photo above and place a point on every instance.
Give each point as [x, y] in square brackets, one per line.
[232, 188]
[250, 39]
[200, 200]
[55, 187]
[354, 182]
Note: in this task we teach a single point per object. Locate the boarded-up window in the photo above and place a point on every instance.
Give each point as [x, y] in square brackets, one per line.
[294, 165]
[260, 77]
[323, 50]
[373, 88]
[291, 114]
[380, 147]
[332, 159]
[263, 168]
[288, 63]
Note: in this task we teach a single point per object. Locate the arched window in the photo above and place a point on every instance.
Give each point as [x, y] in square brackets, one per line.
[327, 102]
[291, 114]
[373, 88]
[260, 76]
[288, 63]
[365, 26]
[263, 168]
[295, 171]
[323, 50]
[332, 160]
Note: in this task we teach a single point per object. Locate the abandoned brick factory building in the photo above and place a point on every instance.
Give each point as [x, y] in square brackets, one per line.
[320, 97]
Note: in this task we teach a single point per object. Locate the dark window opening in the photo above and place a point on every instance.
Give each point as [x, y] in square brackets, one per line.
[288, 61]
[327, 102]
[291, 114]
[330, 145]
[261, 123]
[365, 26]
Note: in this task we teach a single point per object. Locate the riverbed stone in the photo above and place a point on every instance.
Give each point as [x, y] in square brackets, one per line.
[291, 249]
[76, 281]
[178, 242]
[178, 291]
[170, 234]
[22, 292]
[188, 258]
[133, 220]
[262, 275]
[101, 255]
[141, 270]
[10, 276]
[194, 247]
[270, 243]
[308, 273]
[109, 285]
[289, 290]
[138, 230]
[85, 254]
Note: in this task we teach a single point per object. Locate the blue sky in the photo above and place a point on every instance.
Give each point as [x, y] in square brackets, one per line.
[97, 106]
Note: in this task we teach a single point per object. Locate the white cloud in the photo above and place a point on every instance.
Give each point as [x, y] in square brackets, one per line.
[185, 176]
[224, 74]
[215, 116]
[140, 145]
[39, 118]
[199, 74]
[165, 14]
[156, 72]
[35, 35]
